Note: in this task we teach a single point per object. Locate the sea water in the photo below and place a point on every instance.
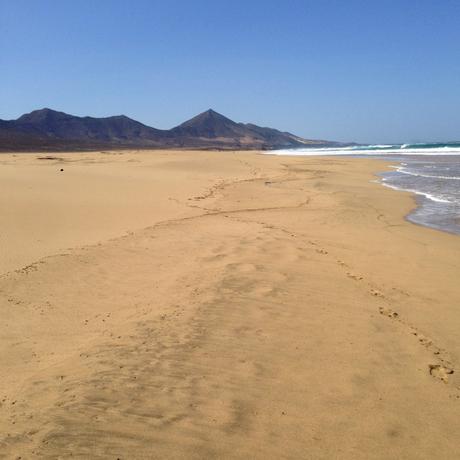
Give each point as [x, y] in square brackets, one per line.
[431, 171]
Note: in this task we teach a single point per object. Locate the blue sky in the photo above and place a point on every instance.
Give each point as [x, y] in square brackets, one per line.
[370, 71]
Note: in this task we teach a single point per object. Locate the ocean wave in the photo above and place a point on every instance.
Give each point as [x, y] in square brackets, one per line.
[367, 150]
[375, 147]
[432, 145]
[402, 170]
[417, 192]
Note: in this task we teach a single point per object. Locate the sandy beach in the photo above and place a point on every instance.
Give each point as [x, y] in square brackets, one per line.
[198, 305]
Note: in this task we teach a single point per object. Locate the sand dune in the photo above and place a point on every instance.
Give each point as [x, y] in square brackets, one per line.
[233, 306]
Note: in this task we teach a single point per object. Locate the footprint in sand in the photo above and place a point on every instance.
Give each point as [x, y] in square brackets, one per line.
[440, 372]
[388, 312]
[354, 277]
[424, 340]
[376, 293]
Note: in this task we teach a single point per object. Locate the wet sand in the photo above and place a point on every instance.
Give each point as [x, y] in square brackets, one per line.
[219, 305]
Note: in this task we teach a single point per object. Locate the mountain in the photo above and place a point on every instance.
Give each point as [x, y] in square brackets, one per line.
[63, 126]
[209, 124]
[48, 129]
[213, 129]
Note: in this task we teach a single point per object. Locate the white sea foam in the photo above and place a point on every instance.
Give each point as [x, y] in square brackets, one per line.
[366, 150]
[417, 192]
[431, 176]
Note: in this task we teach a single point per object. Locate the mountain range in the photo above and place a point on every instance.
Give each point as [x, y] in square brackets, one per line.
[47, 129]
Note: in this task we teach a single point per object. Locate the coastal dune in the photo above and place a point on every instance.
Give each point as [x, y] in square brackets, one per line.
[222, 305]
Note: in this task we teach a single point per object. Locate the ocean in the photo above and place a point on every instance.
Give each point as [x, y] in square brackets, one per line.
[431, 171]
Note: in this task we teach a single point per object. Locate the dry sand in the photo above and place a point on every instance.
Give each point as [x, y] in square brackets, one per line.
[220, 305]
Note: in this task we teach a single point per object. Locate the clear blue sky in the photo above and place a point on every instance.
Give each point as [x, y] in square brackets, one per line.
[370, 70]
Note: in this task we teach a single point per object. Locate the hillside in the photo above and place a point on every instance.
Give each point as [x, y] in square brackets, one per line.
[48, 129]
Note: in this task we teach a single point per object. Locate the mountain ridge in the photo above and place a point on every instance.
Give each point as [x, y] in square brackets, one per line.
[48, 129]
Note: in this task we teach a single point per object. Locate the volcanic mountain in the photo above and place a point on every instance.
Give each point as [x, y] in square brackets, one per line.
[48, 129]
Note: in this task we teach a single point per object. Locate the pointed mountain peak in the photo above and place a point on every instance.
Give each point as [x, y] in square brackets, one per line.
[209, 117]
[211, 112]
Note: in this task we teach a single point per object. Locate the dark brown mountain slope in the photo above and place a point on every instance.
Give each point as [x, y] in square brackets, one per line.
[48, 129]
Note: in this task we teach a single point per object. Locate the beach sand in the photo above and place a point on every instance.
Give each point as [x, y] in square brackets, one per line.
[196, 305]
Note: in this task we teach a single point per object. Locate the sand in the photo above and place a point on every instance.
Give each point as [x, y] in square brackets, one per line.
[218, 305]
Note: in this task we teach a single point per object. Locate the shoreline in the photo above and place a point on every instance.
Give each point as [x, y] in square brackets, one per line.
[270, 301]
[422, 199]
